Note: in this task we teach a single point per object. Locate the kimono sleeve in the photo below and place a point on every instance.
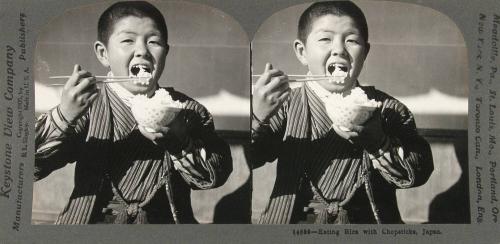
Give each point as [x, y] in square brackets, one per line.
[267, 138]
[206, 162]
[407, 151]
[56, 142]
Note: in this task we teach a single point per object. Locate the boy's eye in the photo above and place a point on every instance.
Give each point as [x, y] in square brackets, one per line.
[155, 42]
[127, 41]
[324, 39]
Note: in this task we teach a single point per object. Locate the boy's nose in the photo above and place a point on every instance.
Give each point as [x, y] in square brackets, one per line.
[338, 49]
[141, 50]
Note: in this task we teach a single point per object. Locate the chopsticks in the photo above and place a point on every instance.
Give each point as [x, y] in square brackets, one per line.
[107, 79]
[308, 78]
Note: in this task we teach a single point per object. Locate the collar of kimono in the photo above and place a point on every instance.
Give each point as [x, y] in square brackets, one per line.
[122, 93]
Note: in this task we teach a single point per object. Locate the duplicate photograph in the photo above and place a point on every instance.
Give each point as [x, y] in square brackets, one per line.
[359, 116]
[124, 132]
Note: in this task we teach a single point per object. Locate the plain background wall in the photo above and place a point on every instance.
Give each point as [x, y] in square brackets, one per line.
[417, 55]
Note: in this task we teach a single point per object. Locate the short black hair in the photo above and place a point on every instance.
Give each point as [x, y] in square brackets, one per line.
[337, 8]
[124, 9]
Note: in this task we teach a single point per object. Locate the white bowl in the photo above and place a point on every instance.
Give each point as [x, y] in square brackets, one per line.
[345, 115]
[153, 118]
[155, 112]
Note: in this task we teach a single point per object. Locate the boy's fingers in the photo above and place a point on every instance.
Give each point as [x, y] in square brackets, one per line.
[164, 130]
[385, 167]
[74, 77]
[348, 135]
[85, 84]
[89, 93]
[264, 76]
[149, 135]
[91, 88]
[284, 85]
[280, 91]
[357, 128]
[93, 97]
[376, 165]
[275, 73]
[269, 72]
[276, 85]
[268, 67]
[283, 96]
[277, 81]
[178, 166]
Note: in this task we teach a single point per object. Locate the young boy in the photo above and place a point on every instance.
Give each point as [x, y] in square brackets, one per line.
[124, 173]
[326, 173]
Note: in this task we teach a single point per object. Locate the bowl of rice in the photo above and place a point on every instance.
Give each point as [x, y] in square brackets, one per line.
[155, 112]
[350, 110]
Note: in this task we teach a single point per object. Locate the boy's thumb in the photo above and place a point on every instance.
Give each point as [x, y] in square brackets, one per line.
[76, 68]
[269, 66]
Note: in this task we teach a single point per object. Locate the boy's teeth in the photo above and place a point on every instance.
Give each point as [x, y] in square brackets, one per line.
[336, 68]
[138, 69]
[337, 72]
[142, 72]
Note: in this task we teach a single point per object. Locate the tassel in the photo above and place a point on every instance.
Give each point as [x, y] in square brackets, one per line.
[342, 217]
[332, 214]
[141, 217]
[122, 217]
[322, 217]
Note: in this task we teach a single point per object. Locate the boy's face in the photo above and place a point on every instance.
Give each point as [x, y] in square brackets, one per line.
[334, 43]
[136, 44]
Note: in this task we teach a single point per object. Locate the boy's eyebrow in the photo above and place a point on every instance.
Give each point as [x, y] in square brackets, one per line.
[135, 33]
[126, 32]
[348, 31]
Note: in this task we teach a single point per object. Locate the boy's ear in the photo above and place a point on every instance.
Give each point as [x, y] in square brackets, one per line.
[300, 51]
[102, 53]
[367, 49]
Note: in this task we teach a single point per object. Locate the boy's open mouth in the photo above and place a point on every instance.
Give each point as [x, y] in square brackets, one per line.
[142, 72]
[338, 73]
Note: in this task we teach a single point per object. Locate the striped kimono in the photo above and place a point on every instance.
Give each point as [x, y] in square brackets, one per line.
[310, 155]
[113, 158]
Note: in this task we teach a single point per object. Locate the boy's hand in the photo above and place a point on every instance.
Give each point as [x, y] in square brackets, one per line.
[173, 137]
[270, 91]
[370, 135]
[78, 94]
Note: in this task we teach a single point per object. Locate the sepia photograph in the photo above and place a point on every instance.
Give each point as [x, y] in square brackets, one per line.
[136, 106]
[360, 115]
[218, 121]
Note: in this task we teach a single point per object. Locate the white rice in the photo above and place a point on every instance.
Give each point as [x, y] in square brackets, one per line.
[157, 111]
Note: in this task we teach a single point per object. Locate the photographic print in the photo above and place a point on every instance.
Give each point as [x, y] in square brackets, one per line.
[205, 55]
[416, 55]
[223, 121]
